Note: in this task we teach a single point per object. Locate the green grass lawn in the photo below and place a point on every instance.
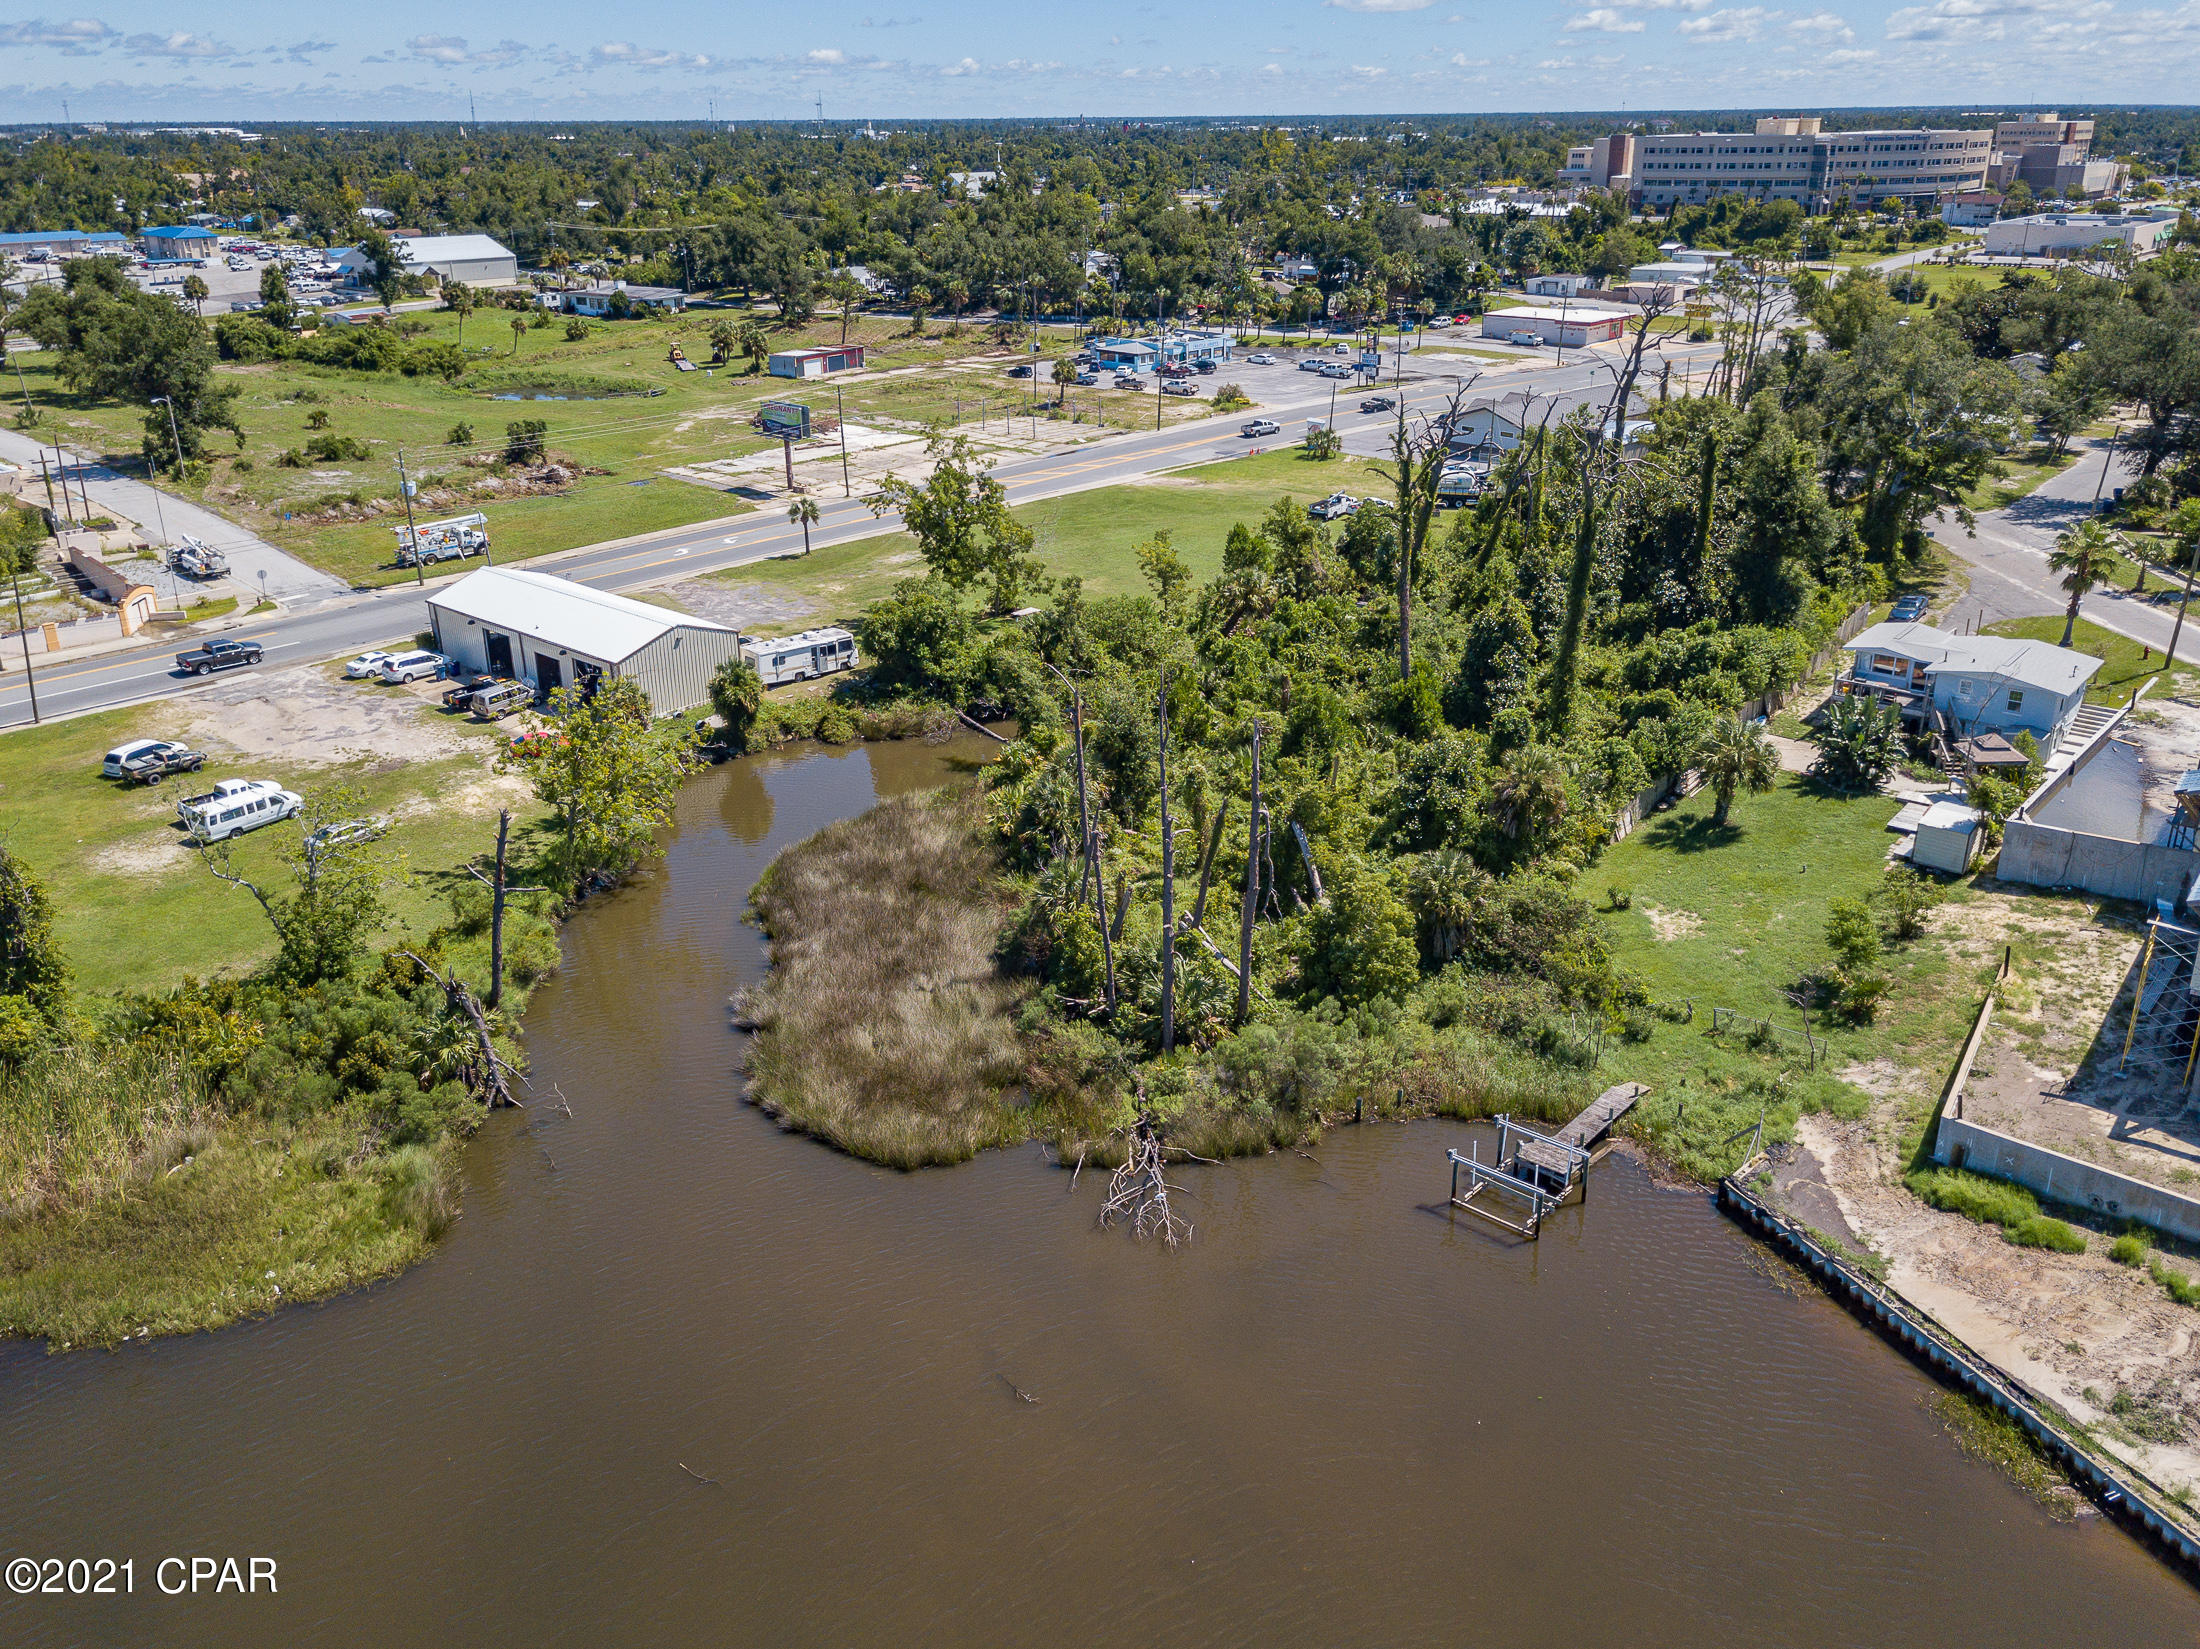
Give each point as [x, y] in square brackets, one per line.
[1736, 920]
[659, 417]
[1091, 534]
[131, 916]
[2126, 664]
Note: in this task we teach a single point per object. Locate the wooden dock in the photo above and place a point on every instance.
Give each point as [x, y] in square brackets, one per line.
[1535, 1171]
[1557, 1155]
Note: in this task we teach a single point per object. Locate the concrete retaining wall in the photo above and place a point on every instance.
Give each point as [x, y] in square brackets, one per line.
[2045, 856]
[1960, 1144]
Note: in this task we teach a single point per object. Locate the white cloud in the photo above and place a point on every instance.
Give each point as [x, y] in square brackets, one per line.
[1735, 23]
[1379, 5]
[175, 45]
[1460, 60]
[1604, 20]
[1851, 56]
[969, 65]
[1369, 71]
[1271, 68]
[625, 54]
[77, 37]
[827, 56]
[1975, 20]
[1822, 25]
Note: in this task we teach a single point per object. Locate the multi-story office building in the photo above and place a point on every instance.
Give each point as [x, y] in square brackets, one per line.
[1793, 158]
[1608, 163]
[2051, 156]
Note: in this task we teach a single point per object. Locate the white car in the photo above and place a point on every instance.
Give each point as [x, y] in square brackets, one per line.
[235, 806]
[367, 664]
[118, 759]
[400, 668]
[1260, 358]
[1340, 349]
[1526, 340]
[1335, 505]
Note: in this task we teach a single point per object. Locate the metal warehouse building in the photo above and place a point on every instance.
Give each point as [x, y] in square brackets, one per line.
[551, 633]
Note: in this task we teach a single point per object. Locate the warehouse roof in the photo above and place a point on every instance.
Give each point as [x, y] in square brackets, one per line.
[563, 613]
[49, 237]
[419, 249]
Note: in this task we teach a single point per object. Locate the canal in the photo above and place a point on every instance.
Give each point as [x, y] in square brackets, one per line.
[678, 1378]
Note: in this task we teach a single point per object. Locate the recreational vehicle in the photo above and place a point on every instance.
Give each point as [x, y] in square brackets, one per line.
[799, 657]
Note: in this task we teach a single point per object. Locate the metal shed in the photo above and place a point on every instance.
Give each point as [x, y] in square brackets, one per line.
[551, 632]
[1947, 838]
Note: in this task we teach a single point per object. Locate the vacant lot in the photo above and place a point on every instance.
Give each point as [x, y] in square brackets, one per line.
[134, 906]
[1090, 534]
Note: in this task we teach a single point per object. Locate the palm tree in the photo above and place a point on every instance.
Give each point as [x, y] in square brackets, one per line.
[755, 346]
[1444, 889]
[519, 330]
[196, 290]
[725, 338]
[1065, 374]
[459, 300]
[1736, 755]
[1859, 741]
[2086, 557]
[802, 512]
[1530, 791]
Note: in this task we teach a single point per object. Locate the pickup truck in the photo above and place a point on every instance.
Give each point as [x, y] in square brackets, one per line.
[219, 655]
[152, 766]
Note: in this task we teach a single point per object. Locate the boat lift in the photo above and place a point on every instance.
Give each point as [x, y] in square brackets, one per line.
[1536, 1172]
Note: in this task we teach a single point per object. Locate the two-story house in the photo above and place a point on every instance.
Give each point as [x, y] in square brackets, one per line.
[1980, 684]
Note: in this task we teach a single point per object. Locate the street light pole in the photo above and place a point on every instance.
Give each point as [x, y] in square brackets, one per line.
[175, 439]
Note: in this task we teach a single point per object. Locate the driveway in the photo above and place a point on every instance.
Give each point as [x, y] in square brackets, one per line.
[254, 563]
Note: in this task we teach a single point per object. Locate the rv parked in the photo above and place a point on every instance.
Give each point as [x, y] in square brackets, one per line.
[799, 657]
[235, 806]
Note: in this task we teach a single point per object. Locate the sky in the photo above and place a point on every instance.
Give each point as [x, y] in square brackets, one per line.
[414, 60]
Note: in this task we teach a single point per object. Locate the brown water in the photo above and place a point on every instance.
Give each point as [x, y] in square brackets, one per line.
[1337, 1418]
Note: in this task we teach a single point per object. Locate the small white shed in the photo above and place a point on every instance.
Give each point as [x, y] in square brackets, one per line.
[1947, 838]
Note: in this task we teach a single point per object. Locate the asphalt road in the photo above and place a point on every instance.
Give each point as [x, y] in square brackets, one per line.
[2008, 559]
[369, 619]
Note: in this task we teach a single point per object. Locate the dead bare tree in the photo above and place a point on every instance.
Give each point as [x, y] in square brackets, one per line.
[498, 893]
[1418, 453]
[1168, 883]
[485, 1071]
[1592, 471]
[1139, 1190]
[1252, 888]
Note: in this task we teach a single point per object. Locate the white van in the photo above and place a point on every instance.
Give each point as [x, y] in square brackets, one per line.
[799, 657]
[119, 758]
[235, 806]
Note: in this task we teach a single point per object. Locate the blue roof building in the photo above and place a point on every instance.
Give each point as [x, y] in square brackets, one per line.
[62, 240]
[1177, 349]
[184, 241]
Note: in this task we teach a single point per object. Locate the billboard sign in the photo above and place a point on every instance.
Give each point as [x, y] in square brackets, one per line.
[789, 420]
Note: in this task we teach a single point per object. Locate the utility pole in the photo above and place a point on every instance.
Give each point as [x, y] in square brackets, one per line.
[23, 634]
[841, 412]
[175, 438]
[420, 577]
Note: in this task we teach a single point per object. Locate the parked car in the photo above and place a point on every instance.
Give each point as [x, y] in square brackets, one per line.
[152, 766]
[1176, 369]
[1259, 427]
[460, 695]
[1335, 369]
[1085, 380]
[1335, 505]
[1438, 323]
[365, 665]
[219, 655]
[1260, 358]
[235, 806]
[400, 668]
[1378, 403]
[499, 700]
[1129, 380]
[119, 758]
[1178, 387]
[1526, 340]
[345, 833]
[1205, 367]
[1340, 349]
[1908, 610]
[1021, 370]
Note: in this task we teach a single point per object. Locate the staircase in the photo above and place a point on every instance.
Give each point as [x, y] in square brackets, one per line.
[2081, 730]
